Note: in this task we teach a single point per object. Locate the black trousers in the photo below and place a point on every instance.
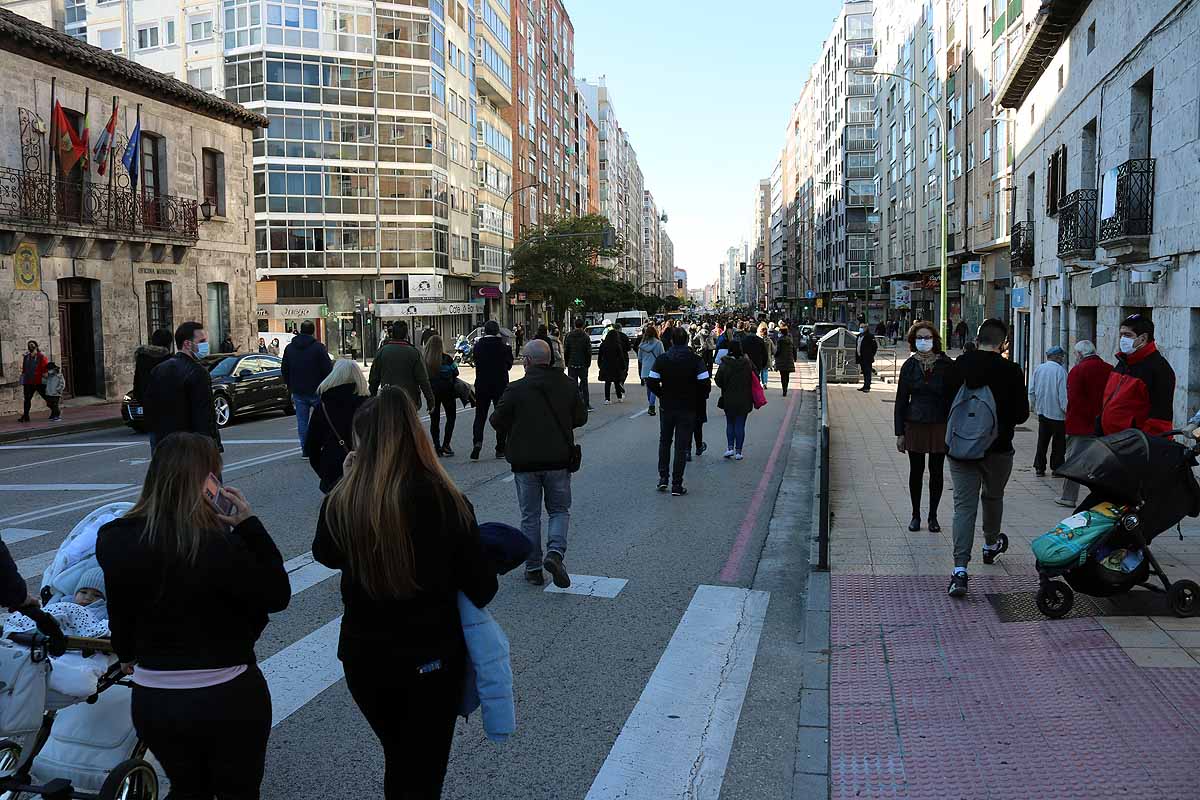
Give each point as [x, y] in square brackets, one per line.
[677, 427]
[867, 368]
[435, 420]
[608, 386]
[412, 713]
[1052, 433]
[698, 432]
[30, 389]
[483, 405]
[211, 742]
[784, 377]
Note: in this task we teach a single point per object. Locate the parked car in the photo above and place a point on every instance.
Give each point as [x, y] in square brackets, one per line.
[818, 332]
[596, 334]
[242, 384]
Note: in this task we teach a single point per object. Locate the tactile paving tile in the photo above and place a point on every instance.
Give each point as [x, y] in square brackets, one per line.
[933, 697]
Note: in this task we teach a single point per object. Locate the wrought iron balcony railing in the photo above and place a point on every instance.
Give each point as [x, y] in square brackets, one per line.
[1020, 247]
[1134, 212]
[36, 198]
[1077, 224]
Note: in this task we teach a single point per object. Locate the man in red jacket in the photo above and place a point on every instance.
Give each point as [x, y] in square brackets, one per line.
[1085, 392]
[1140, 392]
[33, 376]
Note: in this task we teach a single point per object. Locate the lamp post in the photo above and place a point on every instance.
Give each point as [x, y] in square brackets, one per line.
[944, 323]
[504, 252]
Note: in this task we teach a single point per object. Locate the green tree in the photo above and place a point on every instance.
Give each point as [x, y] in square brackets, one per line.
[561, 260]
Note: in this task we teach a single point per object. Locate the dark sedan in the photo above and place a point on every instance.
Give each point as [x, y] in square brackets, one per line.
[242, 384]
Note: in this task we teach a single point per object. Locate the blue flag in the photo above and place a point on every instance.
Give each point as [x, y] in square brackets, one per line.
[133, 155]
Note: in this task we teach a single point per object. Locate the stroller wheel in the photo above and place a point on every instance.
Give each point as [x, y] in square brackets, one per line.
[1184, 598]
[130, 780]
[10, 759]
[1002, 540]
[1055, 599]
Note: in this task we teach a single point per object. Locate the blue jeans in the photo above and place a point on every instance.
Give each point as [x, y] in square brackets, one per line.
[650, 396]
[763, 374]
[554, 488]
[735, 431]
[304, 405]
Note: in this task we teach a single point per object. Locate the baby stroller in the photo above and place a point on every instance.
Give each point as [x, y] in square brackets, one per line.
[1149, 481]
[66, 729]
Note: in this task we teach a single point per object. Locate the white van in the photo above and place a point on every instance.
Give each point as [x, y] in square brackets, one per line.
[631, 323]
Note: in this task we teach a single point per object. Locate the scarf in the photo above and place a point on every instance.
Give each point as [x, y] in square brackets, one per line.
[926, 360]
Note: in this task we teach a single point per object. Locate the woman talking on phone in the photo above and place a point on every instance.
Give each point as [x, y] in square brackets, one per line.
[404, 557]
[191, 576]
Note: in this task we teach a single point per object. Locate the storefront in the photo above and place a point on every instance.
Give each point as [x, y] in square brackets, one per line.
[285, 318]
[448, 319]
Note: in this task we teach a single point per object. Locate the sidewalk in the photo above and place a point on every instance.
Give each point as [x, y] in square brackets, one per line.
[936, 697]
[78, 414]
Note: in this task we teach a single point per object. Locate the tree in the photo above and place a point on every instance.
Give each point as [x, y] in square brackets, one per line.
[561, 260]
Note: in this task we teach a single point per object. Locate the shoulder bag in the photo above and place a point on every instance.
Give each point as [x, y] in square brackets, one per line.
[341, 442]
[576, 450]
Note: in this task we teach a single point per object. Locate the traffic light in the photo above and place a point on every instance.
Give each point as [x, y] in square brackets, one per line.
[359, 305]
[742, 267]
[578, 302]
[679, 284]
[608, 237]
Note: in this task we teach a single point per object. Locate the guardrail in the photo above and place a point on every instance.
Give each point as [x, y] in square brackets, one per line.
[823, 467]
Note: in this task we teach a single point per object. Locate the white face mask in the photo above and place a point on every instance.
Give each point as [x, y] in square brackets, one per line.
[1127, 344]
[924, 345]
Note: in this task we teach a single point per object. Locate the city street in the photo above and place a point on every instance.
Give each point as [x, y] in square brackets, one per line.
[647, 567]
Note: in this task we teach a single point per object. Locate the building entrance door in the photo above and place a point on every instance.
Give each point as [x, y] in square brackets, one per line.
[77, 336]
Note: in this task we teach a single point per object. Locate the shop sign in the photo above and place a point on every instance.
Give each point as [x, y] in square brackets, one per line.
[488, 291]
[840, 298]
[425, 287]
[284, 311]
[28, 274]
[972, 271]
[901, 292]
[1020, 298]
[820, 302]
[393, 310]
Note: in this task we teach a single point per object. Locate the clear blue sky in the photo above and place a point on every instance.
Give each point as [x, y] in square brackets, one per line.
[704, 89]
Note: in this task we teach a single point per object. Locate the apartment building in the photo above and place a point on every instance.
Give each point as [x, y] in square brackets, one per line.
[589, 159]
[799, 217]
[767, 197]
[651, 275]
[666, 260]
[493, 152]
[621, 184]
[1106, 178]
[680, 288]
[635, 193]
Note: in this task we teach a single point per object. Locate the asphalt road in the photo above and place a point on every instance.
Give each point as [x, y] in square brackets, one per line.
[581, 663]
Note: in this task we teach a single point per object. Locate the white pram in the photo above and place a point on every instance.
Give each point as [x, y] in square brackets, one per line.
[64, 703]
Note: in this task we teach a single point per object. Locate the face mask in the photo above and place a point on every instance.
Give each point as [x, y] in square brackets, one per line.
[1127, 344]
[202, 350]
[924, 345]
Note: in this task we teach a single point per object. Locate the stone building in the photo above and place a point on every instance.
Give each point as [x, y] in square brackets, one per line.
[1107, 172]
[91, 264]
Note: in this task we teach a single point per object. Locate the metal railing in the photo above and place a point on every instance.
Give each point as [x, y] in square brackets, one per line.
[823, 465]
[39, 199]
[1077, 224]
[1020, 247]
[1134, 213]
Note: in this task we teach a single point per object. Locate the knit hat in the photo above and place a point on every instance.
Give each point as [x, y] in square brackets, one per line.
[1056, 351]
[92, 579]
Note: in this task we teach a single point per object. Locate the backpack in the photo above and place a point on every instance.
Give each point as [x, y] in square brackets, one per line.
[973, 424]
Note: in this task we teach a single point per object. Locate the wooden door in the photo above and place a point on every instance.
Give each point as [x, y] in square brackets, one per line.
[65, 354]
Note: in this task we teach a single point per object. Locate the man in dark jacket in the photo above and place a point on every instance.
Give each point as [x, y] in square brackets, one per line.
[179, 397]
[577, 351]
[1140, 392]
[305, 365]
[865, 352]
[33, 376]
[493, 359]
[680, 380]
[756, 350]
[146, 358]
[538, 414]
[400, 364]
[1085, 393]
[986, 478]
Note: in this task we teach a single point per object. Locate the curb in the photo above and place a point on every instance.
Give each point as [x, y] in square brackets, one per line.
[19, 435]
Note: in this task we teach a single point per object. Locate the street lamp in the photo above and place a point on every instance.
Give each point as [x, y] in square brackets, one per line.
[504, 252]
[944, 323]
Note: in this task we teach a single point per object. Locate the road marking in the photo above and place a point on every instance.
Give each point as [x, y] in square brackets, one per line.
[640, 413]
[62, 487]
[512, 476]
[71, 444]
[730, 571]
[61, 458]
[304, 572]
[135, 462]
[591, 586]
[35, 566]
[302, 670]
[98, 500]
[677, 740]
[14, 535]
[291, 440]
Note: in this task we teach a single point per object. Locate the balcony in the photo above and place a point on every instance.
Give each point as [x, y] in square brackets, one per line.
[1077, 225]
[1125, 235]
[1020, 248]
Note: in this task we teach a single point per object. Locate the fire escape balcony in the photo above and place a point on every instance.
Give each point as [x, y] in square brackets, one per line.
[92, 219]
[1020, 248]
[1077, 225]
[1125, 235]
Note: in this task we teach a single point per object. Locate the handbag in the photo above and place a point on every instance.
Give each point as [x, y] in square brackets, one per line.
[576, 451]
[756, 391]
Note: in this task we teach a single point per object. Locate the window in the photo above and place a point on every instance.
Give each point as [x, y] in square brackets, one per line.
[147, 37]
[1056, 180]
[217, 321]
[159, 311]
[214, 179]
[168, 31]
[1091, 37]
[201, 78]
[110, 40]
[200, 27]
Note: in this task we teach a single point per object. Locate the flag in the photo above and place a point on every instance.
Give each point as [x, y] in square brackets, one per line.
[133, 154]
[68, 145]
[86, 138]
[104, 143]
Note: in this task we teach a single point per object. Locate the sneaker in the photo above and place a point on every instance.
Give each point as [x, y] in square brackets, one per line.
[56, 419]
[662, 486]
[1062, 501]
[729, 453]
[447, 452]
[958, 585]
[535, 577]
[475, 452]
[700, 448]
[1041, 473]
[553, 563]
[440, 451]
[651, 411]
[678, 491]
[738, 456]
[990, 553]
[608, 402]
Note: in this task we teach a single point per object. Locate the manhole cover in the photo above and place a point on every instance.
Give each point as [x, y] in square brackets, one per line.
[1022, 606]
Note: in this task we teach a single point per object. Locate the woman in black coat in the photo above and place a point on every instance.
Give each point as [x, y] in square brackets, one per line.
[614, 363]
[328, 439]
[146, 358]
[737, 400]
[923, 392]
[785, 357]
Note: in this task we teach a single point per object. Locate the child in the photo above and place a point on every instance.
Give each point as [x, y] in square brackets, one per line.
[90, 588]
[55, 384]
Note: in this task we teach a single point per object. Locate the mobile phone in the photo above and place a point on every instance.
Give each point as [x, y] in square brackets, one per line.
[212, 492]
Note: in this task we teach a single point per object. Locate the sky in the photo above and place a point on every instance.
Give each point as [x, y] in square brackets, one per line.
[704, 89]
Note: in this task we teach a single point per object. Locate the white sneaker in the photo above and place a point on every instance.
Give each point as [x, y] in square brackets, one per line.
[729, 453]
[608, 402]
[738, 457]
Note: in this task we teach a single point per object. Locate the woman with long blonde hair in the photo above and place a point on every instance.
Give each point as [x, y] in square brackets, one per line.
[442, 374]
[406, 541]
[189, 590]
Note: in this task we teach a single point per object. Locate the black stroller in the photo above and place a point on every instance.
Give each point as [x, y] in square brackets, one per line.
[1150, 478]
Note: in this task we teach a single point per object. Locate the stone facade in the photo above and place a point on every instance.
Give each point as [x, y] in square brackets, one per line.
[95, 303]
